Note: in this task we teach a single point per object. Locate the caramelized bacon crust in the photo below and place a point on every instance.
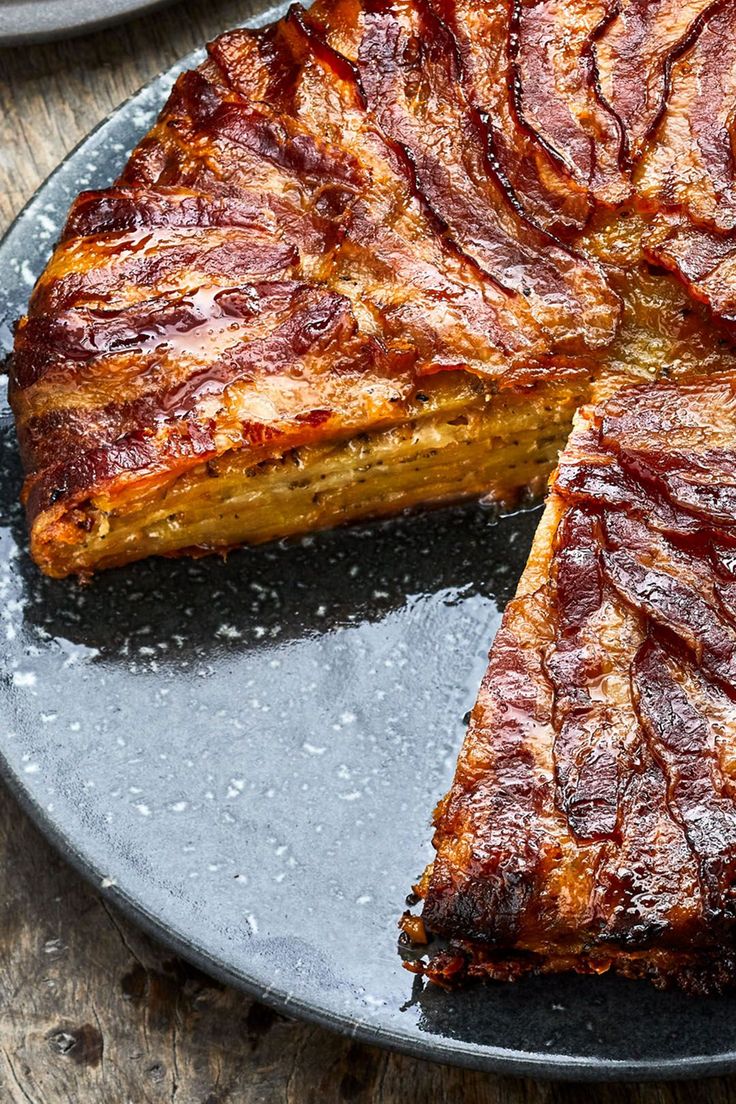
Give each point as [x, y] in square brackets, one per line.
[334, 207]
[634, 58]
[592, 820]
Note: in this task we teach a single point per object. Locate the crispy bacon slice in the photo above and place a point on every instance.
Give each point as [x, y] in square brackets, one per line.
[634, 57]
[667, 693]
[703, 259]
[558, 95]
[485, 34]
[689, 164]
[592, 820]
[161, 418]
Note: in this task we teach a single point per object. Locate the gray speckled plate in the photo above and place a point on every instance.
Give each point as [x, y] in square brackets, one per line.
[23, 21]
[244, 755]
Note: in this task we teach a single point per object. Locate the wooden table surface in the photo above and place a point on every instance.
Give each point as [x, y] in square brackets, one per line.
[90, 1009]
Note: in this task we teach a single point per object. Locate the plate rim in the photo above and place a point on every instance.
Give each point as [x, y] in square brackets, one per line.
[17, 30]
[556, 1067]
[559, 1067]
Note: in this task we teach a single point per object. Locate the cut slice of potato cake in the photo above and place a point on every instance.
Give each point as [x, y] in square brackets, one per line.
[591, 824]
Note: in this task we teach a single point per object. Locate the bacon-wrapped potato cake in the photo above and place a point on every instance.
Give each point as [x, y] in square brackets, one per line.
[372, 257]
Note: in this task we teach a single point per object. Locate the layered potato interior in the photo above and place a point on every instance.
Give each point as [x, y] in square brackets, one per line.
[458, 438]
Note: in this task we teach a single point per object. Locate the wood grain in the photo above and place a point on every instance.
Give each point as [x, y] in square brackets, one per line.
[90, 1009]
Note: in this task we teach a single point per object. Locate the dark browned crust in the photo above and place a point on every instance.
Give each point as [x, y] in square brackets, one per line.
[592, 821]
[634, 58]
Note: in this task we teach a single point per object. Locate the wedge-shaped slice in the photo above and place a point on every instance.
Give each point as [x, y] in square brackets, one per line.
[592, 820]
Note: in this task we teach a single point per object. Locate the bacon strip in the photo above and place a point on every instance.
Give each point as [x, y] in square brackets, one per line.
[538, 178]
[586, 767]
[683, 741]
[169, 425]
[634, 58]
[505, 769]
[705, 261]
[690, 163]
[558, 95]
[126, 209]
